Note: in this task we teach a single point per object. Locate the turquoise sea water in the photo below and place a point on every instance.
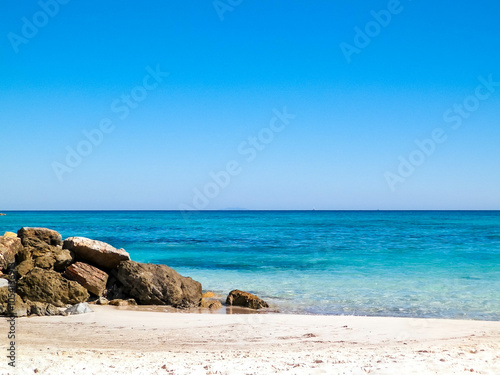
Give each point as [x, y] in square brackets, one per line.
[384, 263]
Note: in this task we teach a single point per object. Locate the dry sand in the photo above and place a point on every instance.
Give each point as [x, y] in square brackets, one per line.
[116, 341]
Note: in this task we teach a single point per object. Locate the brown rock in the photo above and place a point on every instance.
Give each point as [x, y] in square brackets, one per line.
[90, 277]
[42, 309]
[245, 299]
[52, 310]
[157, 284]
[102, 301]
[98, 253]
[63, 258]
[45, 256]
[25, 267]
[9, 234]
[118, 302]
[114, 289]
[49, 236]
[208, 295]
[210, 304]
[23, 254]
[45, 262]
[12, 304]
[50, 287]
[9, 247]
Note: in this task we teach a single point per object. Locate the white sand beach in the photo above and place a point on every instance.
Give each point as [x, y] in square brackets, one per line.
[114, 340]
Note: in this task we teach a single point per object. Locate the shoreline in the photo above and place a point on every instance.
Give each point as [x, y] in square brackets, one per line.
[124, 340]
[238, 310]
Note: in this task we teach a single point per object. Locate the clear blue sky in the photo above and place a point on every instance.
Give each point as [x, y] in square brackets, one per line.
[228, 70]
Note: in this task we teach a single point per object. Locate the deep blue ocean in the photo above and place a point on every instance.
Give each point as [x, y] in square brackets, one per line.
[439, 264]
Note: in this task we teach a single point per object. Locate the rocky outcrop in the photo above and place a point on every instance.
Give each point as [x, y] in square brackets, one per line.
[155, 284]
[245, 299]
[51, 287]
[95, 252]
[49, 236]
[90, 277]
[48, 279]
[10, 234]
[9, 247]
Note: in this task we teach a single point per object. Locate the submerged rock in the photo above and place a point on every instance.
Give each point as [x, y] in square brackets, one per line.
[95, 252]
[49, 236]
[157, 284]
[90, 277]
[245, 299]
[51, 287]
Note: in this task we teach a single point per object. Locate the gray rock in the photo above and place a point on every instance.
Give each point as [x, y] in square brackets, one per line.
[4, 282]
[95, 252]
[157, 284]
[79, 308]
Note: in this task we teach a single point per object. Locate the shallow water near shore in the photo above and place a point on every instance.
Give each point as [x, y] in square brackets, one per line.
[439, 264]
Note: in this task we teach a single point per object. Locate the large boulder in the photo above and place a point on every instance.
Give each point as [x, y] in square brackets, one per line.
[157, 284]
[239, 298]
[9, 247]
[90, 277]
[49, 236]
[95, 252]
[44, 255]
[51, 287]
